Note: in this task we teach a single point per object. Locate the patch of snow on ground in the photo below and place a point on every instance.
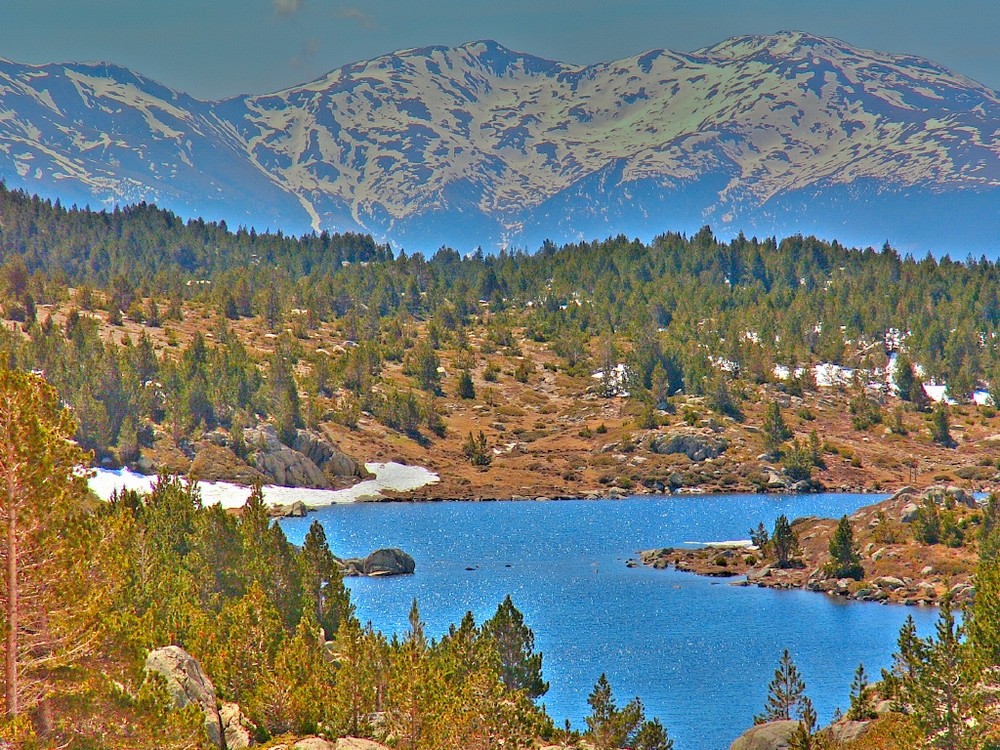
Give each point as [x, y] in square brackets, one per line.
[937, 393]
[982, 398]
[730, 544]
[726, 365]
[388, 476]
[783, 372]
[828, 375]
[617, 381]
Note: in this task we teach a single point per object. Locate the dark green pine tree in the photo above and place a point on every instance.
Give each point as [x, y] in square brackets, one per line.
[465, 388]
[323, 582]
[861, 700]
[776, 431]
[906, 378]
[940, 430]
[784, 542]
[845, 561]
[786, 694]
[520, 666]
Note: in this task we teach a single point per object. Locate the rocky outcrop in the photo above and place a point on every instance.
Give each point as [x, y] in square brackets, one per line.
[326, 456]
[311, 460]
[381, 562]
[236, 727]
[297, 509]
[775, 735]
[285, 466]
[217, 463]
[694, 445]
[187, 684]
[845, 730]
[946, 496]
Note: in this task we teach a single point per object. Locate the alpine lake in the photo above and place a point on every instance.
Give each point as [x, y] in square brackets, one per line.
[698, 651]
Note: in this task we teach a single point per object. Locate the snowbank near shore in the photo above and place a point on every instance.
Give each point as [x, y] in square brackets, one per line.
[388, 476]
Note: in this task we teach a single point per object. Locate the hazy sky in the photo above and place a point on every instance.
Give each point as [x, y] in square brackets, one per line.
[219, 48]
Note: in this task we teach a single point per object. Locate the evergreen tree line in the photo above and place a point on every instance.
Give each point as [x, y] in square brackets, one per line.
[750, 302]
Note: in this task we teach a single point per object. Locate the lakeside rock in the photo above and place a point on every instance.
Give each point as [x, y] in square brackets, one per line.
[284, 465]
[327, 456]
[297, 509]
[382, 562]
[774, 735]
[217, 463]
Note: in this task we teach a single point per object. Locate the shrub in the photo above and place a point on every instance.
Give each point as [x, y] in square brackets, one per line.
[465, 389]
[477, 450]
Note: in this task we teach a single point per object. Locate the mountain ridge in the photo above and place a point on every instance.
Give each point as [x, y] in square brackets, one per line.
[776, 134]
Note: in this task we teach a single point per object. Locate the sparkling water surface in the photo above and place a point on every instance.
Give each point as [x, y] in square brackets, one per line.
[698, 651]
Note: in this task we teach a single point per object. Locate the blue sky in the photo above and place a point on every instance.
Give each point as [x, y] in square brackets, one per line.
[218, 48]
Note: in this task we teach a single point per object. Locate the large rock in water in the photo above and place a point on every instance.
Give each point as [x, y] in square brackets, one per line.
[775, 735]
[388, 562]
[381, 562]
[187, 684]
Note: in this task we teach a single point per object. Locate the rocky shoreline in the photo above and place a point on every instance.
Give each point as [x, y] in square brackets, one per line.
[897, 567]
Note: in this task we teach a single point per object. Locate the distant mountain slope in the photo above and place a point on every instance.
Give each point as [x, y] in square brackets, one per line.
[481, 145]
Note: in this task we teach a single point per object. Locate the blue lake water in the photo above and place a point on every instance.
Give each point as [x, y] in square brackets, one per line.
[699, 652]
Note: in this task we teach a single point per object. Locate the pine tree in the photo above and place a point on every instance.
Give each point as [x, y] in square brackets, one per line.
[940, 431]
[983, 617]
[759, 537]
[465, 389]
[845, 560]
[944, 685]
[323, 581]
[786, 694]
[776, 431]
[905, 378]
[362, 659]
[521, 666]
[784, 542]
[409, 683]
[41, 503]
[295, 695]
[609, 727]
[652, 735]
[861, 708]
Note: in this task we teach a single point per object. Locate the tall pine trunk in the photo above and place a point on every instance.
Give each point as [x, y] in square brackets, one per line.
[10, 661]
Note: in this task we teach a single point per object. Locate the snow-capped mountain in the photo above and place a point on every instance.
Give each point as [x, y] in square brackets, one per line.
[479, 145]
